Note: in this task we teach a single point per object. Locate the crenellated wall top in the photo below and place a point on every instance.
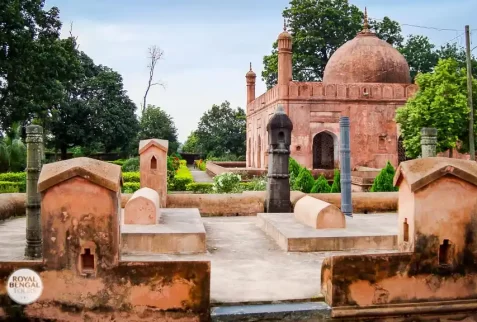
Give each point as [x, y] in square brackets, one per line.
[318, 91]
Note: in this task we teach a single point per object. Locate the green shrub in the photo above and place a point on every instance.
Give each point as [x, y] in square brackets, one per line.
[200, 164]
[181, 179]
[9, 187]
[77, 152]
[305, 181]
[336, 186]
[321, 185]
[119, 162]
[294, 167]
[131, 187]
[131, 177]
[384, 180]
[131, 165]
[227, 182]
[183, 163]
[200, 187]
[13, 176]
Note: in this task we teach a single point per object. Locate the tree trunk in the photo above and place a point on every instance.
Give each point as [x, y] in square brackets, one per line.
[64, 151]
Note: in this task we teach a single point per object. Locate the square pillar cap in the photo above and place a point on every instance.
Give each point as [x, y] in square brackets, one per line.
[102, 173]
[421, 172]
[160, 144]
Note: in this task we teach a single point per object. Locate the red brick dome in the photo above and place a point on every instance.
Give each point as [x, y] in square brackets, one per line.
[367, 59]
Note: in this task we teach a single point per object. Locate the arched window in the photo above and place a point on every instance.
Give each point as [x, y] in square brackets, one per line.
[153, 163]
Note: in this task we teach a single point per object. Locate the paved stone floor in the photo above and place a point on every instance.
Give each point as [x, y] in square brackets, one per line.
[247, 265]
[199, 176]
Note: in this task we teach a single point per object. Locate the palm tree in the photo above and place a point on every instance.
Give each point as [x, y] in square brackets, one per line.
[12, 151]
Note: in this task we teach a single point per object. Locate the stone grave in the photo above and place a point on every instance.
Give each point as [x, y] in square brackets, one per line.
[147, 226]
[82, 273]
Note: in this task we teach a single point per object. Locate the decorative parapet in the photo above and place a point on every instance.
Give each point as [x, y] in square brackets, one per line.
[264, 100]
[363, 91]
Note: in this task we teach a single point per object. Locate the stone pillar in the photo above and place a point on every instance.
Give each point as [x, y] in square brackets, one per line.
[34, 141]
[345, 164]
[428, 142]
[278, 185]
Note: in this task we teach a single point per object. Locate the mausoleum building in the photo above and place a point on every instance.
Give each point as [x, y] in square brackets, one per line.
[366, 79]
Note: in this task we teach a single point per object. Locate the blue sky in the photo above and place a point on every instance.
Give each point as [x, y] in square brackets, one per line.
[208, 44]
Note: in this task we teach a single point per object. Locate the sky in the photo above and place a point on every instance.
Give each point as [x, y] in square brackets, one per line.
[208, 44]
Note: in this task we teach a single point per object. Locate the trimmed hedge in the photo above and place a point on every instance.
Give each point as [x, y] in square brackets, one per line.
[131, 177]
[119, 162]
[12, 187]
[131, 187]
[200, 187]
[182, 177]
[13, 176]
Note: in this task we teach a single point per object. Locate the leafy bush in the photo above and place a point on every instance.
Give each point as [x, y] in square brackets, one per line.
[294, 167]
[227, 182]
[321, 185]
[119, 162]
[336, 186]
[12, 186]
[305, 181]
[131, 177]
[13, 176]
[183, 163]
[77, 152]
[131, 187]
[200, 164]
[384, 180]
[131, 165]
[200, 187]
[182, 178]
[257, 184]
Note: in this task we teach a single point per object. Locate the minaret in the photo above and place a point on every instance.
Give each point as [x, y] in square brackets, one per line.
[284, 62]
[250, 76]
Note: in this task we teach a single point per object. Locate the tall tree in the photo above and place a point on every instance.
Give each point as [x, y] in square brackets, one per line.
[441, 103]
[29, 61]
[319, 28]
[222, 131]
[156, 123]
[191, 145]
[155, 55]
[420, 54]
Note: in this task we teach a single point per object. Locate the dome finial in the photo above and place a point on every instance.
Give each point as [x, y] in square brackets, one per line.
[365, 24]
[250, 66]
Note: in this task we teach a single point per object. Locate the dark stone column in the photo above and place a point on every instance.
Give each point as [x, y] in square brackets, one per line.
[278, 185]
[345, 164]
[34, 142]
[428, 142]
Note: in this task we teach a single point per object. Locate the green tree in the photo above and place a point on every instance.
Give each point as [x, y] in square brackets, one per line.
[305, 181]
[12, 151]
[221, 131]
[384, 180]
[321, 185]
[420, 54]
[156, 123]
[319, 28]
[192, 144]
[30, 60]
[336, 186]
[441, 103]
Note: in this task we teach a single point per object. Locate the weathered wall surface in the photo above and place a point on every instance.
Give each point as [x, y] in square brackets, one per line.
[132, 291]
[12, 204]
[385, 280]
[209, 204]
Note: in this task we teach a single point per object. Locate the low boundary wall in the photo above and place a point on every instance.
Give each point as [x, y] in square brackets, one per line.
[241, 204]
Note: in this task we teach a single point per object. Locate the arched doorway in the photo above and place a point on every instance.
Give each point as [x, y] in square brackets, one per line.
[259, 153]
[323, 151]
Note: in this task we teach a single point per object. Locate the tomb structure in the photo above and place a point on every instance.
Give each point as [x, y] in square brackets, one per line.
[153, 166]
[366, 80]
[435, 274]
[82, 273]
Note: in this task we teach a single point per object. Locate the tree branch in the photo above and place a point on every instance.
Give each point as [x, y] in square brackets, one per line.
[155, 54]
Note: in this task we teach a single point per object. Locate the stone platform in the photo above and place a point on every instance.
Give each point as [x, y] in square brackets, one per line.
[178, 231]
[362, 232]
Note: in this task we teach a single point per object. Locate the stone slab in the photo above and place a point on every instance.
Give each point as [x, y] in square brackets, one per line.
[362, 232]
[178, 231]
[307, 311]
